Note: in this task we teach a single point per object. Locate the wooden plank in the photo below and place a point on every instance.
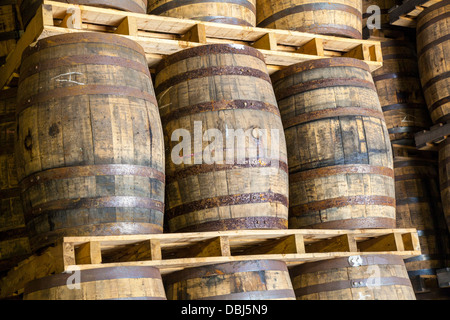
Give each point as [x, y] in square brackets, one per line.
[428, 139]
[128, 27]
[313, 47]
[360, 52]
[389, 242]
[286, 245]
[72, 20]
[343, 243]
[88, 253]
[143, 250]
[405, 14]
[267, 42]
[196, 34]
[215, 247]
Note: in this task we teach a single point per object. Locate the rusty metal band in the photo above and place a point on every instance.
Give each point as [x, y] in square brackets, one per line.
[323, 83]
[438, 104]
[247, 223]
[7, 94]
[406, 129]
[83, 38]
[340, 169]
[14, 234]
[91, 171]
[254, 295]
[433, 21]
[358, 223]
[445, 118]
[431, 9]
[422, 272]
[433, 44]
[411, 200]
[181, 3]
[309, 7]
[223, 19]
[96, 203]
[229, 200]
[220, 106]
[332, 113]
[396, 75]
[207, 168]
[350, 284]
[340, 263]
[93, 275]
[402, 106]
[211, 49]
[8, 117]
[9, 193]
[84, 90]
[71, 61]
[434, 80]
[127, 5]
[210, 72]
[340, 30]
[319, 64]
[400, 56]
[229, 268]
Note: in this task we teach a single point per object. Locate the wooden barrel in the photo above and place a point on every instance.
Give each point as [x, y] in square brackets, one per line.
[400, 92]
[109, 283]
[14, 243]
[222, 93]
[90, 144]
[419, 206]
[339, 154]
[246, 280]
[10, 30]
[237, 12]
[444, 177]
[368, 277]
[337, 17]
[433, 46]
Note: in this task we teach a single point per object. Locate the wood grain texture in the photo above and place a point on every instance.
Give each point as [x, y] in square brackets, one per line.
[419, 206]
[90, 143]
[339, 153]
[226, 88]
[236, 12]
[119, 283]
[400, 92]
[248, 280]
[14, 243]
[378, 277]
[444, 177]
[338, 17]
[433, 42]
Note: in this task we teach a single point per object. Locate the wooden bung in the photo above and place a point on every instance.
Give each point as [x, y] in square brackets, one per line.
[90, 154]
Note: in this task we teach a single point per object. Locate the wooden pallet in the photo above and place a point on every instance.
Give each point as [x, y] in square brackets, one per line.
[406, 14]
[173, 252]
[430, 139]
[161, 36]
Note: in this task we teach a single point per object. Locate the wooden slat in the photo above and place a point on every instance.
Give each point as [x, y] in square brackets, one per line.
[429, 139]
[389, 242]
[343, 243]
[405, 14]
[88, 253]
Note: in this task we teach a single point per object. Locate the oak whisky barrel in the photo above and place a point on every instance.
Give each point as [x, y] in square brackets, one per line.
[89, 149]
[110, 283]
[367, 277]
[400, 92]
[419, 206]
[245, 280]
[219, 99]
[444, 177]
[236, 12]
[337, 17]
[433, 47]
[14, 243]
[339, 154]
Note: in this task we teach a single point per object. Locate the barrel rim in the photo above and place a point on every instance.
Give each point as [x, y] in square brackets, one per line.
[208, 49]
[319, 64]
[78, 37]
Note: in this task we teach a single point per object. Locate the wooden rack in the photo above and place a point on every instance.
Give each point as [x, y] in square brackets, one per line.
[160, 36]
[406, 14]
[173, 252]
[430, 139]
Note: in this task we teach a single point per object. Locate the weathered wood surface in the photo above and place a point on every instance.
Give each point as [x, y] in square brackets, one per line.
[235, 12]
[400, 93]
[444, 177]
[10, 29]
[406, 13]
[419, 206]
[433, 47]
[338, 17]
[240, 181]
[118, 283]
[339, 153]
[90, 147]
[249, 280]
[376, 277]
[14, 243]
[430, 139]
